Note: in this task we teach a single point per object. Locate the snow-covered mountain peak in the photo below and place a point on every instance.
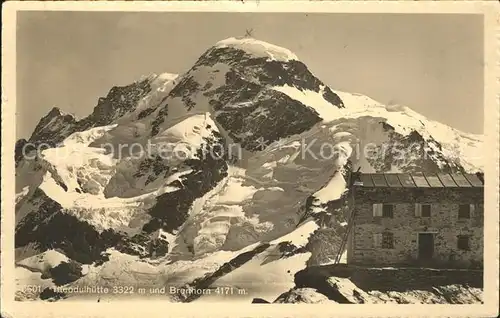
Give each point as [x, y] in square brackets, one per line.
[158, 77]
[258, 48]
[451, 144]
[239, 82]
[56, 111]
[52, 124]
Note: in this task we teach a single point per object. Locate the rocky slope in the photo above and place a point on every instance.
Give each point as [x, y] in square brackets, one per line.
[212, 177]
[350, 285]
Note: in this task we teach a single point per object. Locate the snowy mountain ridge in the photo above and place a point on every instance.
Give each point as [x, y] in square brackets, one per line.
[259, 48]
[208, 168]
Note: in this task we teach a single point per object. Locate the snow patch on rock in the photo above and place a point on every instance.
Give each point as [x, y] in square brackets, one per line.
[259, 48]
[300, 236]
[43, 262]
[315, 100]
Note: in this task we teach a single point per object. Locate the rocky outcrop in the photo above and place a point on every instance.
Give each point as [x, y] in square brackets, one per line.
[302, 296]
[355, 285]
[171, 209]
[119, 101]
[52, 128]
[267, 117]
[324, 244]
[20, 150]
[267, 72]
[52, 228]
[50, 294]
[66, 272]
[259, 301]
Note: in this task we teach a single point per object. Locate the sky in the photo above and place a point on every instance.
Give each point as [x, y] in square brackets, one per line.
[431, 63]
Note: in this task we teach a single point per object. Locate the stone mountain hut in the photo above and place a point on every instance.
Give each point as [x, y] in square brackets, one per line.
[433, 220]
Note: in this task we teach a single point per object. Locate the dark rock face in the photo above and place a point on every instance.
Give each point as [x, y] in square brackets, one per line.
[158, 248]
[328, 280]
[171, 209]
[155, 165]
[259, 301]
[25, 230]
[324, 245]
[317, 277]
[145, 113]
[119, 101]
[20, 147]
[50, 295]
[66, 273]
[287, 249]
[301, 295]
[269, 73]
[49, 128]
[345, 284]
[269, 116]
[160, 118]
[185, 89]
[78, 240]
[51, 228]
[143, 246]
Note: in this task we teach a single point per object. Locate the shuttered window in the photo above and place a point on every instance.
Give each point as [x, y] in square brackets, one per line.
[423, 210]
[383, 240]
[383, 210]
[387, 240]
[377, 240]
[377, 210]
